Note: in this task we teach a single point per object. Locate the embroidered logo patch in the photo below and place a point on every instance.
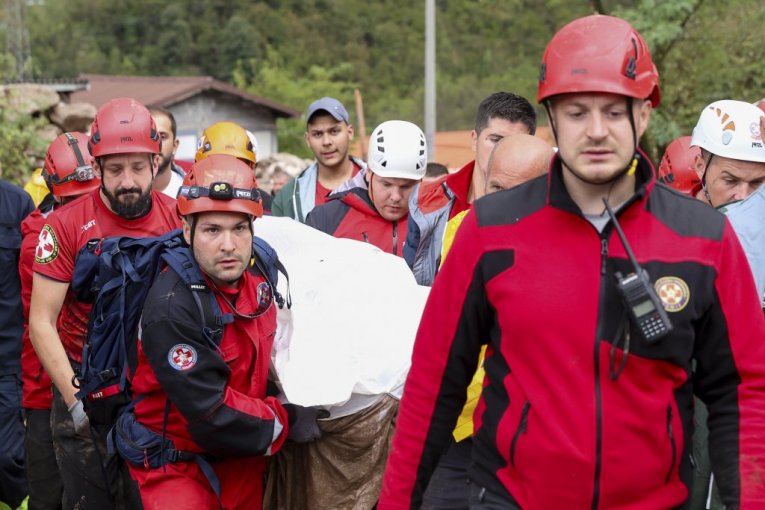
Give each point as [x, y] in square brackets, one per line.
[265, 296]
[47, 245]
[182, 357]
[673, 292]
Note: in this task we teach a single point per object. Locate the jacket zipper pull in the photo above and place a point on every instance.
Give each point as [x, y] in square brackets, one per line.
[603, 255]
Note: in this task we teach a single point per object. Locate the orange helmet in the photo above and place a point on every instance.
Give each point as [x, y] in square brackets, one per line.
[220, 183]
[68, 168]
[226, 138]
[678, 169]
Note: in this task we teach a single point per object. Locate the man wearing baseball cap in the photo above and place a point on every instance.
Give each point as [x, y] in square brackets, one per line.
[328, 135]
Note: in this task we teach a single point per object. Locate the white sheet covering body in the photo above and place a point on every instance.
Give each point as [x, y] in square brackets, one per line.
[748, 220]
[354, 316]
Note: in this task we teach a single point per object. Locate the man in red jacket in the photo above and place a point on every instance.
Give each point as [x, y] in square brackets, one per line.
[432, 204]
[211, 399]
[587, 399]
[373, 206]
[126, 145]
[68, 172]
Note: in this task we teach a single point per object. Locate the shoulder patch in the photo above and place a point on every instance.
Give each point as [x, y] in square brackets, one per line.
[182, 357]
[47, 245]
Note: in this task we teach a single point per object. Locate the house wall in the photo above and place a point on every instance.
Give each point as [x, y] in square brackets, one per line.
[196, 113]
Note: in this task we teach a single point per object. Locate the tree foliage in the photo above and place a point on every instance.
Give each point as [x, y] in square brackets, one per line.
[294, 51]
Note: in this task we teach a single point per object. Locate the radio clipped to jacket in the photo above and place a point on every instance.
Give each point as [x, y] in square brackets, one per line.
[638, 295]
[643, 305]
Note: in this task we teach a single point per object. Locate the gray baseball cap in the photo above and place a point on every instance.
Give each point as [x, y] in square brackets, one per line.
[330, 105]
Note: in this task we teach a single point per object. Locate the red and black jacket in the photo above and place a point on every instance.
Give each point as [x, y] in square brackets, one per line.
[558, 426]
[352, 215]
[217, 394]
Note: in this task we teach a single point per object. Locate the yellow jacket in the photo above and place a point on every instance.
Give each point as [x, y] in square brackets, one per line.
[464, 426]
[36, 187]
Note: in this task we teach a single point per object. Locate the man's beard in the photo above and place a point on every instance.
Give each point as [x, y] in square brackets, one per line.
[164, 164]
[139, 207]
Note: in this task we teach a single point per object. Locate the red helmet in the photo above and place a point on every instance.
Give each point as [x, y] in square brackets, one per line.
[220, 182]
[678, 170]
[760, 104]
[68, 167]
[121, 126]
[598, 54]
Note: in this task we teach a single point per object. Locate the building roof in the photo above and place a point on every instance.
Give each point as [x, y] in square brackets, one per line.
[57, 84]
[454, 148]
[165, 91]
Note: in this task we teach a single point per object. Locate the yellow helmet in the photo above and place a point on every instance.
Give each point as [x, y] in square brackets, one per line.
[226, 138]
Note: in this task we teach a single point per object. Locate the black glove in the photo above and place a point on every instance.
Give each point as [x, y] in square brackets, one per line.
[302, 423]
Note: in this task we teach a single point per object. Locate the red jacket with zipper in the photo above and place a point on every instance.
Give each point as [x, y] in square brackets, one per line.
[352, 215]
[558, 425]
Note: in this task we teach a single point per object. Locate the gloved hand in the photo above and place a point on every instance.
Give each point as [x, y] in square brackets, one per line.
[302, 423]
[80, 418]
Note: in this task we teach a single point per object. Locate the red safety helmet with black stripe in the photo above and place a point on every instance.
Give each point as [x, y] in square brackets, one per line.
[68, 167]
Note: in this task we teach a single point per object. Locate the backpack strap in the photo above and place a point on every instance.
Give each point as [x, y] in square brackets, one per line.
[267, 262]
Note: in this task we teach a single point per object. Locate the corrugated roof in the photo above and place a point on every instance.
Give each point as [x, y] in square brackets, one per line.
[165, 91]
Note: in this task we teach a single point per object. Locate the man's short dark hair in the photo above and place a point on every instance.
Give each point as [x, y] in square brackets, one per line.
[435, 170]
[163, 111]
[507, 106]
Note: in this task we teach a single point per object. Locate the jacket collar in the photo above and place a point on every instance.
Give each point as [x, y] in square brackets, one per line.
[559, 197]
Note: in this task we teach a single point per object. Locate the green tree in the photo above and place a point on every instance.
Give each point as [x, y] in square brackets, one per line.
[273, 80]
[18, 138]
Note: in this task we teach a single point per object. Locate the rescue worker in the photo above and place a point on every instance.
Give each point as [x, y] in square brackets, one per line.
[514, 160]
[434, 203]
[125, 144]
[169, 175]
[731, 163]
[232, 139]
[15, 205]
[68, 173]
[328, 134]
[678, 167]
[587, 397]
[371, 207]
[732, 158]
[210, 399]
[356, 435]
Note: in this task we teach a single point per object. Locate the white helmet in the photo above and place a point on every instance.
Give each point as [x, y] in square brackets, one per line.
[730, 129]
[397, 150]
[254, 142]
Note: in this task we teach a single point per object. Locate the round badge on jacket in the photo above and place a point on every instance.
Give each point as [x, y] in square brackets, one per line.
[182, 357]
[673, 292]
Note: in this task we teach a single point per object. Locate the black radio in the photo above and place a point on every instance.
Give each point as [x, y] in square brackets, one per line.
[638, 295]
[643, 305]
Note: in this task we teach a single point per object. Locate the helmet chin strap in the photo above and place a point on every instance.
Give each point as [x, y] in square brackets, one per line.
[627, 170]
[704, 179]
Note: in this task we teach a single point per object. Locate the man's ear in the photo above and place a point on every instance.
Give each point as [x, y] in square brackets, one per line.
[154, 165]
[699, 164]
[350, 132]
[474, 142]
[186, 229]
[97, 167]
[643, 116]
